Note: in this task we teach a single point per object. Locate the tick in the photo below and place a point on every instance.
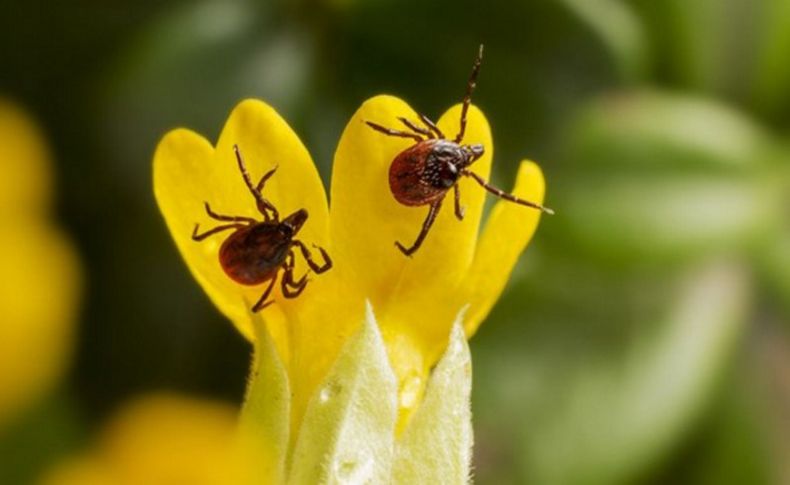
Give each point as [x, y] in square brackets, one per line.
[256, 250]
[423, 173]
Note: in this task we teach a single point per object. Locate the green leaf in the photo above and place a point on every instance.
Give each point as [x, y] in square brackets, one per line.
[347, 433]
[436, 447]
[772, 69]
[265, 416]
[653, 130]
[632, 220]
[618, 414]
[775, 262]
[652, 177]
[620, 31]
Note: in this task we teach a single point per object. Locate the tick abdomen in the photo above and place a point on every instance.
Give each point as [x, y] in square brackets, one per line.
[415, 174]
[252, 255]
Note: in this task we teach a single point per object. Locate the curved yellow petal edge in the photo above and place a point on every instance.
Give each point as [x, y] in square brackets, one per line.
[25, 162]
[40, 288]
[506, 234]
[189, 172]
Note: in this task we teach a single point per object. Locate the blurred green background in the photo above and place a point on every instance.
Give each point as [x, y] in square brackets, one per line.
[645, 335]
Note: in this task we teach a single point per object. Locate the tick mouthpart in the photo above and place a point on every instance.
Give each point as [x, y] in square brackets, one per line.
[296, 220]
[475, 151]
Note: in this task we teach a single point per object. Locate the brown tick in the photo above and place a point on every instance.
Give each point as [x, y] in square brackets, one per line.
[423, 173]
[256, 250]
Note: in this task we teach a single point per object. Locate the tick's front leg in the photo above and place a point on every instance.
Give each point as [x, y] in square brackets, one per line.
[291, 288]
[459, 211]
[504, 195]
[309, 257]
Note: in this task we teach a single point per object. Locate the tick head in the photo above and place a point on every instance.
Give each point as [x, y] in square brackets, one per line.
[295, 221]
[474, 151]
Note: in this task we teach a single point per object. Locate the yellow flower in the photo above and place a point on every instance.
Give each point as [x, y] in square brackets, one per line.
[163, 439]
[456, 276]
[38, 291]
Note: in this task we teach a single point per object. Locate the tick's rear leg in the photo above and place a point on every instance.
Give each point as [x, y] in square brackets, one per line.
[220, 217]
[415, 128]
[211, 232]
[262, 303]
[392, 132]
[309, 257]
[426, 226]
[432, 126]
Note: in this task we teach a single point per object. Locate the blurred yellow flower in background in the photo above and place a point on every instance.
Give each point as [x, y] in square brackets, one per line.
[324, 352]
[163, 439]
[39, 290]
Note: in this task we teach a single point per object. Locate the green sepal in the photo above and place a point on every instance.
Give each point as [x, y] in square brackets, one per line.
[348, 429]
[265, 417]
[436, 447]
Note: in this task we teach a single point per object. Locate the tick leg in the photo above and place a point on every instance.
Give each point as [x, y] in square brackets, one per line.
[432, 126]
[263, 204]
[262, 303]
[309, 257]
[288, 279]
[501, 193]
[211, 232]
[470, 87]
[459, 211]
[288, 283]
[415, 128]
[220, 217]
[263, 208]
[265, 177]
[299, 287]
[391, 132]
[426, 226]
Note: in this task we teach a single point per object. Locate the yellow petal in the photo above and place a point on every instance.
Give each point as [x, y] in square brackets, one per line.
[507, 232]
[165, 439]
[79, 471]
[188, 171]
[412, 296]
[26, 181]
[38, 296]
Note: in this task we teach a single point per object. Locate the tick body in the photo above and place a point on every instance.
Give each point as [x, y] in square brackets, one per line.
[423, 173]
[256, 251]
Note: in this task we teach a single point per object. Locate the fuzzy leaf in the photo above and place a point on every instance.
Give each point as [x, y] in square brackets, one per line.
[437, 445]
[265, 417]
[348, 429]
